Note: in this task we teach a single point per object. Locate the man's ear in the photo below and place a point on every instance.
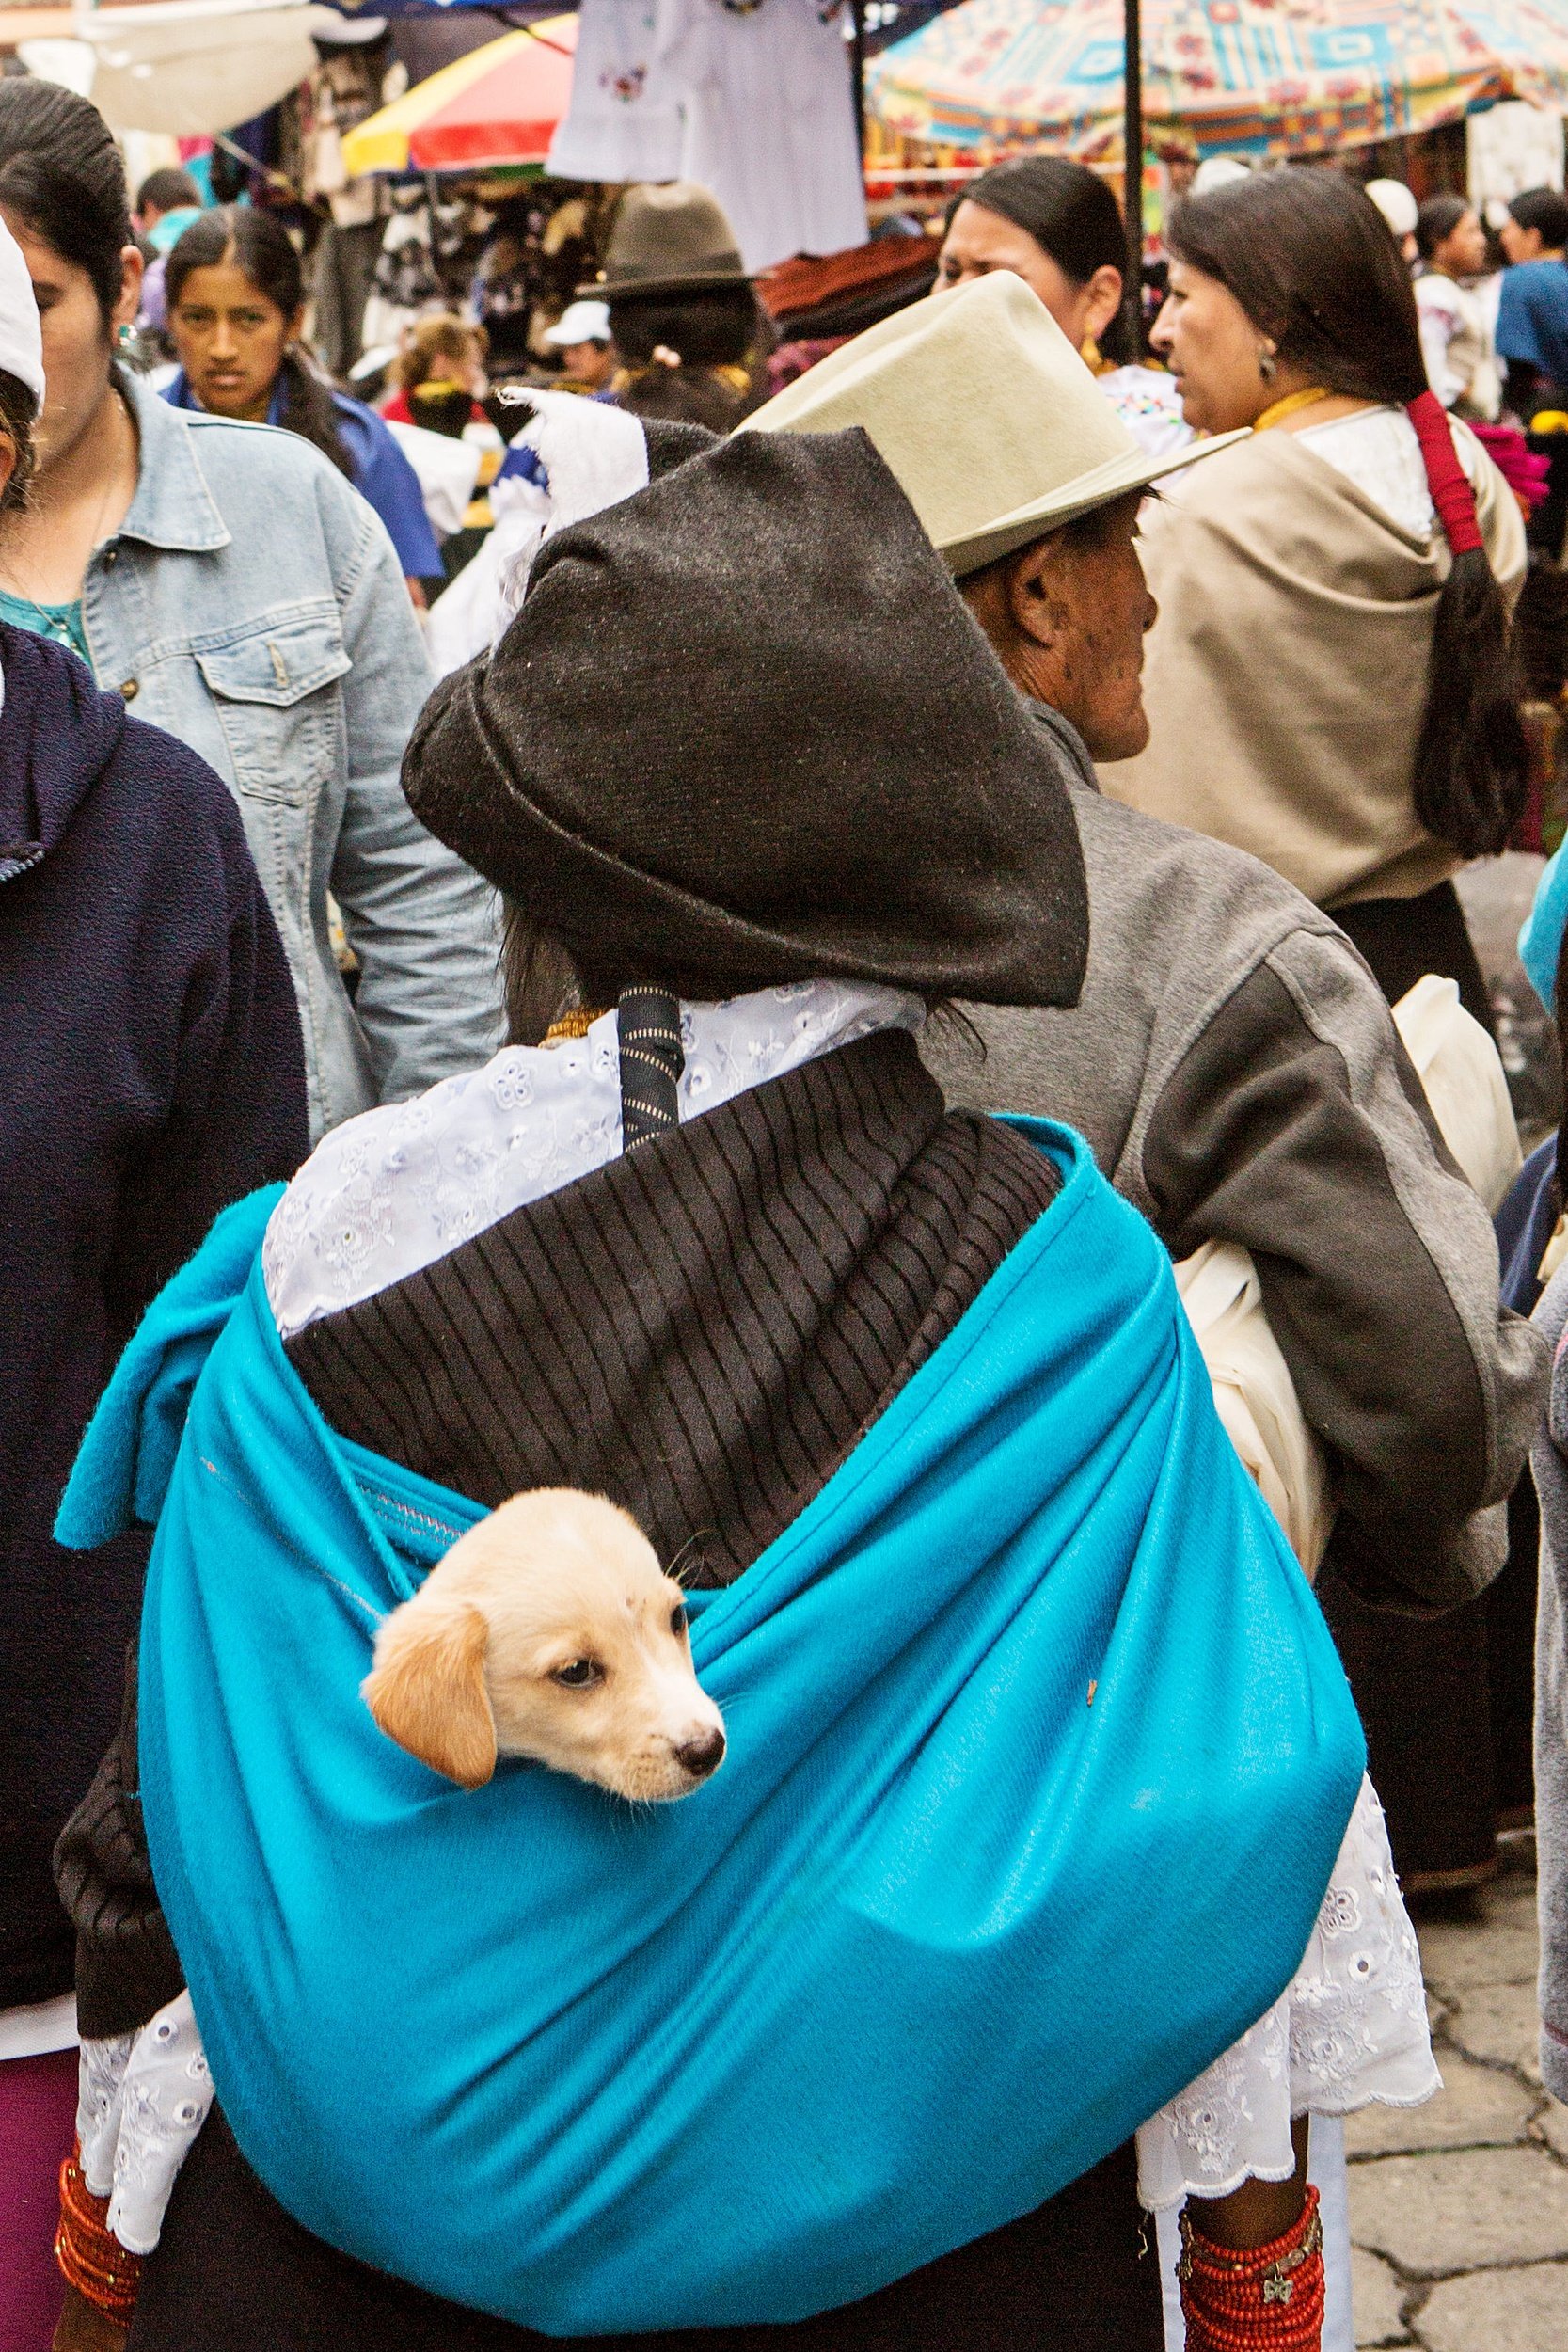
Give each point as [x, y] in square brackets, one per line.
[1035, 600]
[427, 1692]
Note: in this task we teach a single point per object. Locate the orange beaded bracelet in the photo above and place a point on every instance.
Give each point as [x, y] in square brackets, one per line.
[1269, 2300]
[91, 2259]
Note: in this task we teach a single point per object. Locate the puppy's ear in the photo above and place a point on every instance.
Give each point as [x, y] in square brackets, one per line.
[426, 1691]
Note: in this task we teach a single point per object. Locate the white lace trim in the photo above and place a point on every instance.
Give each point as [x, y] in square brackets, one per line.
[396, 1188]
[142, 2099]
[1350, 2031]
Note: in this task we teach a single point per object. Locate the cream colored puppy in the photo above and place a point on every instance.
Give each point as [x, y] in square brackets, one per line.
[549, 1631]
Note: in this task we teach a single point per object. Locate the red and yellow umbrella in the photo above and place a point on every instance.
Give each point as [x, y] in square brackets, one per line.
[500, 105]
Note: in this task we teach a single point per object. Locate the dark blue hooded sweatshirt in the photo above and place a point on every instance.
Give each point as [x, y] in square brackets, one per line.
[150, 1071]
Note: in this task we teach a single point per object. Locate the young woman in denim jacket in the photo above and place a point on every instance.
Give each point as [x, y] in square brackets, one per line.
[237, 591]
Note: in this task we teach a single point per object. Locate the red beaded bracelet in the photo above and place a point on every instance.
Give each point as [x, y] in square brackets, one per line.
[1269, 2299]
[91, 2259]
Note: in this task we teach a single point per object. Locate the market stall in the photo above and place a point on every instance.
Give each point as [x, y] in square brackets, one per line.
[1266, 78]
[498, 104]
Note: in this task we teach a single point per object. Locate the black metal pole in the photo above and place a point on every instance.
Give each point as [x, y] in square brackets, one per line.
[857, 55]
[1132, 167]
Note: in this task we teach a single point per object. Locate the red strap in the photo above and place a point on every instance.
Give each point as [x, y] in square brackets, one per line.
[1447, 480]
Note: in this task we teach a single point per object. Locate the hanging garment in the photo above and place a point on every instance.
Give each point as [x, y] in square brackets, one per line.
[624, 122]
[770, 122]
[920, 1909]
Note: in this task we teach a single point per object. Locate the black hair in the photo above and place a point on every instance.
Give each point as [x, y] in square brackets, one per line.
[18, 415]
[169, 190]
[673, 344]
[256, 242]
[60, 172]
[1437, 221]
[1307, 255]
[1070, 214]
[1545, 209]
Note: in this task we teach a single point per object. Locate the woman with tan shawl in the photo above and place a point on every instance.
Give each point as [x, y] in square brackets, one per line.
[1328, 682]
[1329, 687]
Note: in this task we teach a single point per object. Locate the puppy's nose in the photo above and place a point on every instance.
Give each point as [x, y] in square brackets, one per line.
[702, 1754]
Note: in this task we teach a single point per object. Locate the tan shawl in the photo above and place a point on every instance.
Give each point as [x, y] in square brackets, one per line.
[1286, 678]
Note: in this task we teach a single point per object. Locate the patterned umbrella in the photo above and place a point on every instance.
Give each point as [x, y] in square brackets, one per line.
[1261, 77]
[500, 105]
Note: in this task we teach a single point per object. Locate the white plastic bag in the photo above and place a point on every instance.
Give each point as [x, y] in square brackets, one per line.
[1255, 1395]
[1459, 1067]
[447, 472]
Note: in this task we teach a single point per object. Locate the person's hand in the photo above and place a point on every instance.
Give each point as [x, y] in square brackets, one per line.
[84, 2328]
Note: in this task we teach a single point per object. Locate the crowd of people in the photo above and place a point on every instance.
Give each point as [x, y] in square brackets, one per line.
[781, 996]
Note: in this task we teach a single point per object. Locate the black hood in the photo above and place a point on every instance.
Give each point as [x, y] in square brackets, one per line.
[744, 731]
[57, 735]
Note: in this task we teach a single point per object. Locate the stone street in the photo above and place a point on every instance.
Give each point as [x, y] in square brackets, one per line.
[1459, 2210]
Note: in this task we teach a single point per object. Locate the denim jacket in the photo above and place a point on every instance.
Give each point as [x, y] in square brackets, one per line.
[252, 605]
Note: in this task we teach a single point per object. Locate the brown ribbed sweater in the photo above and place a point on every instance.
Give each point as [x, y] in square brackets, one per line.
[701, 1328]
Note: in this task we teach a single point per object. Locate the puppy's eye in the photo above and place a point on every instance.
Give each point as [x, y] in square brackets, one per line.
[578, 1674]
[680, 1617]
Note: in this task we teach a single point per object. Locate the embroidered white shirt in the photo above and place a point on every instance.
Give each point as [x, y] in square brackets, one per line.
[393, 1190]
[1377, 449]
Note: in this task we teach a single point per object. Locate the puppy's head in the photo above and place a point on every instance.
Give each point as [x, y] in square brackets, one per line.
[549, 1631]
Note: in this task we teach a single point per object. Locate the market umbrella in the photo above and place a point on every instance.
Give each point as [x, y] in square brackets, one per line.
[500, 105]
[188, 67]
[1261, 77]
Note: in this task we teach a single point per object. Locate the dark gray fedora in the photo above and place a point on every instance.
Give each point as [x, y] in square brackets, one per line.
[670, 237]
[744, 732]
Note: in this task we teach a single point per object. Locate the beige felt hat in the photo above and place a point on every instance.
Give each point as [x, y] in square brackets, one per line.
[992, 426]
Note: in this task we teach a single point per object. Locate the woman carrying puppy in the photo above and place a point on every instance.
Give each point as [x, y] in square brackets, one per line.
[844, 2047]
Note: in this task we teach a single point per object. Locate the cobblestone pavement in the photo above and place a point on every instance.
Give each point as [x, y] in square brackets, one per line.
[1459, 2210]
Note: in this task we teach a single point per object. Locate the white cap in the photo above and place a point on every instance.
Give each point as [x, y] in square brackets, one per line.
[1396, 203]
[580, 322]
[21, 337]
[1218, 171]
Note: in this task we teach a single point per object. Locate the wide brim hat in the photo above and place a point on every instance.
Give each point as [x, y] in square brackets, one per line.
[669, 237]
[988, 419]
[685, 762]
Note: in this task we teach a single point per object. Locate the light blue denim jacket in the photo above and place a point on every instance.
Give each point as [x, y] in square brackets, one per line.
[251, 603]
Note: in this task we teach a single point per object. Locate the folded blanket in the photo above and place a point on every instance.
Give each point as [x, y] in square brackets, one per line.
[1031, 1713]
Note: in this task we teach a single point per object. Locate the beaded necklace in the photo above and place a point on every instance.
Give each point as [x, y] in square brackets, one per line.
[1277, 410]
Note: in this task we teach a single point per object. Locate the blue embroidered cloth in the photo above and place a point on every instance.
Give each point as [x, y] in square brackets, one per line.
[1040, 1756]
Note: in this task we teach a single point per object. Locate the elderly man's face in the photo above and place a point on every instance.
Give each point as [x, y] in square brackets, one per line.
[1068, 617]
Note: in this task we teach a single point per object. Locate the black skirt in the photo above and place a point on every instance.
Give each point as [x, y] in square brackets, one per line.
[1448, 1702]
[234, 2273]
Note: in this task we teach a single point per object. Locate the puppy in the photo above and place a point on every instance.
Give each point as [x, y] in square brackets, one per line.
[549, 1631]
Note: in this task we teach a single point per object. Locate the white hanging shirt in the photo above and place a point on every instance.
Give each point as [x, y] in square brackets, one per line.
[770, 122]
[623, 122]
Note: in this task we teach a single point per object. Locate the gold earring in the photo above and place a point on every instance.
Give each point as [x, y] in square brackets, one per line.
[1089, 351]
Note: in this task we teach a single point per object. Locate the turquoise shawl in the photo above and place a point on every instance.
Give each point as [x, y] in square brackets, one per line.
[1039, 1760]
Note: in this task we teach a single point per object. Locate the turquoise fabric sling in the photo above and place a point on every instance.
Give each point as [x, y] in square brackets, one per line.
[1040, 1758]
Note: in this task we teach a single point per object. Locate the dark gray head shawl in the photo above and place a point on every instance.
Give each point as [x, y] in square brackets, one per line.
[744, 731]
